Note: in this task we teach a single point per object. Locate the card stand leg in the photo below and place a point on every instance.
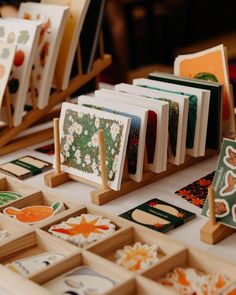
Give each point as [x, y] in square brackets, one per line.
[213, 232]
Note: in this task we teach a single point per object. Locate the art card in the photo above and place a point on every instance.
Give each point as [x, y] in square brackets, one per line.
[24, 35]
[137, 133]
[178, 115]
[224, 184]
[32, 265]
[196, 192]
[34, 214]
[213, 138]
[83, 230]
[197, 112]
[157, 124]
[25, 167]
[54, 19]
[229, 289]
[8, 197]
[7, 53]
[46, 149]
[70, 40]
[137, 257]
[83, 281]
[211, 65]
[158, 215]
[79, 128]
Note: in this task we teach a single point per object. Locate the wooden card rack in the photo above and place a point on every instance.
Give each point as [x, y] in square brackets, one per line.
[8, 134]
[213, 232]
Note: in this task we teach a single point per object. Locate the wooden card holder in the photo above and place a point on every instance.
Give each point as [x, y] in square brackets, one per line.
[213, 232]
[8, 143]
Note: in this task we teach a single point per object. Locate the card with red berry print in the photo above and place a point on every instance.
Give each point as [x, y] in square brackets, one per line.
[158, 215]
[196, 192]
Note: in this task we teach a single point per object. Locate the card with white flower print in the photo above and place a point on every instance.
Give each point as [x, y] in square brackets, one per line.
[157, 124]
[138, 126]
[177, 125]
[197, 112]
[82, 280]
[24, 35]
[53, 18]
[7, 52]
[224, 183]
[79, 128]
[70, 39]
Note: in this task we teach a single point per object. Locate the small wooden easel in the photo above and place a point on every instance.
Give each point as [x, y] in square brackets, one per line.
[213, 232]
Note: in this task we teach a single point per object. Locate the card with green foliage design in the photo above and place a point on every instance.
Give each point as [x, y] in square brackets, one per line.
[79, 128]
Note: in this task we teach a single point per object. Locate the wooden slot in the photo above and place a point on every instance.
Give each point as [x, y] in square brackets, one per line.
[145, 286]
[34, 243]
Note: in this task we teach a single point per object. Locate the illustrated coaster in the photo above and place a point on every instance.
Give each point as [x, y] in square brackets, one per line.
[190, 281]
[158, 215]
[46, 149]
[3, 234]
[83, 230]
[25, 167]
[83, 281]
[196, 192]
[8, 196]
[34, 264]
[224, 184]
[137, 257]
[34, 214]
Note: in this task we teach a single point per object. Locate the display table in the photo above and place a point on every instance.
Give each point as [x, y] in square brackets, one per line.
[163, 189]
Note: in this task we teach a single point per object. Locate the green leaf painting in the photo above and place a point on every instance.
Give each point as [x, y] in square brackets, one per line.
[79, 142]
[5, 53]
[2, 32]
[23, 37]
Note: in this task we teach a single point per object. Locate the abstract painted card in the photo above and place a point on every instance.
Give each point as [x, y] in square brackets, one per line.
[24, 35]
[157, 124]
[158, 215]
[82, 280]
[7, 53]
[70, 40]
[25, 167]
[196, 192]
[213, 138]
[32, 265]
[197, 112]
[79, 128]
[224, 184]
[53, 18]
[137, 133]
[211, 65]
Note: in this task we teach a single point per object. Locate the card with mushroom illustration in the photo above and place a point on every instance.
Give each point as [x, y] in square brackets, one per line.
[224, 183]
[7, 52]
[22, 34]
[53, 18]
[79, 143]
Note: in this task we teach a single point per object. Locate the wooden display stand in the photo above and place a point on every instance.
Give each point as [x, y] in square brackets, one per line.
[103, 194]
[213, 232]
[8, 143]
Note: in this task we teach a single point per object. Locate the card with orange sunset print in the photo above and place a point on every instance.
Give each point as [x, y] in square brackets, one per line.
[211, 65]
[158, 215]
[196, 192]
[83, 230]
[224, 184]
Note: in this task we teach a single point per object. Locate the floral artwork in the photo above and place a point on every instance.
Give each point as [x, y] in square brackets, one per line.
[30, 266]
[196, 192]
[69, 44]
[83, 230]
[79, 143]
[187, 281]
[137, 257]
[7, 52]
[21, 34]
[34, 214]
[83, 281]
[53, 19]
